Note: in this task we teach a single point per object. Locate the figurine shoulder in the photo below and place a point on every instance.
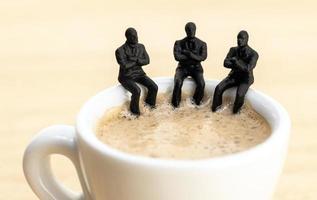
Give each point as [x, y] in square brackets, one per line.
[232, 51]
[178, 42]
[120, 49]
[141, 46]
[199, 41]
[254, 52]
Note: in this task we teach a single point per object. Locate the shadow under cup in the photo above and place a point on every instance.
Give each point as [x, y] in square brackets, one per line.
[250, 174]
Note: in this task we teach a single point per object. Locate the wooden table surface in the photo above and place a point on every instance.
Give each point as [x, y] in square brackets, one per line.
[54, 55]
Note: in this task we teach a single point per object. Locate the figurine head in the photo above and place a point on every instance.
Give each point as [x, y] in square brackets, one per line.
[190, 29]
[132, 36]
[243, 38]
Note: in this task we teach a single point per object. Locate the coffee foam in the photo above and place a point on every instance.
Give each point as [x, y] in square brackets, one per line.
[188, 132]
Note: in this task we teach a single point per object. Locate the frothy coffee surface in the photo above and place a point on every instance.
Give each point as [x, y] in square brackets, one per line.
[188, 132]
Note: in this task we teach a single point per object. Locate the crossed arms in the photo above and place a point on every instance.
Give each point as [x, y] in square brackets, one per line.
[184, 54]
[127, 61]
[233, 62]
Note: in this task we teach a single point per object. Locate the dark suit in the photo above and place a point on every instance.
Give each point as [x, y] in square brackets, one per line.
[189, 65]
[131, 59]
[241, 61]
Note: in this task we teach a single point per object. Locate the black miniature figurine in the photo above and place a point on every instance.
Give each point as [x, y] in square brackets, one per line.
[189, 52]
[241, 60]
[131, 56]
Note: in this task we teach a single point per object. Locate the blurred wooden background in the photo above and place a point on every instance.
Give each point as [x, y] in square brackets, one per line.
[54, 55]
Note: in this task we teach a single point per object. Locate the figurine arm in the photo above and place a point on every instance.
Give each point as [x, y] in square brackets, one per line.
[122, 60]
[228, 60]
[247, 67]
[178, 55]
[253, 61]
[203, 54]
[144, 59]
[241, 65]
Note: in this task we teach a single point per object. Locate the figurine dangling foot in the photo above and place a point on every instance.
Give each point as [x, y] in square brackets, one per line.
[150, 106]
[215, 107]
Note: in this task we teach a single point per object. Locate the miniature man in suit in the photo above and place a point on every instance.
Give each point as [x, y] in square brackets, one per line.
[131, 56]
[189, 52]
[241, 60]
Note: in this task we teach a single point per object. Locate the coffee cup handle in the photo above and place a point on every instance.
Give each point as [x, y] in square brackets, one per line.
[58, 139]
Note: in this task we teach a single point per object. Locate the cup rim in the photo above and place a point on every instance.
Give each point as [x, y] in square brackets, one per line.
[282, 131]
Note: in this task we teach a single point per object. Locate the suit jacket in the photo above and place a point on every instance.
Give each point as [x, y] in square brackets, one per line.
[196, 46]
[130, 68]
[246, 61]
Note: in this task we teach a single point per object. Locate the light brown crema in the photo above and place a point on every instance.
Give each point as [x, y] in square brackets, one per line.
[188, 132]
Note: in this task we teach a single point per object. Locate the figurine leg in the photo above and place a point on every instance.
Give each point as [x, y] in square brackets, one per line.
[221, 87]
[241, 91]
[152, 90]
[132, 87]
[179, 77]
[200, 88]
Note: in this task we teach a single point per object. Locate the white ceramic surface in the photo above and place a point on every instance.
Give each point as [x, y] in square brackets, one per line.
[108, 174]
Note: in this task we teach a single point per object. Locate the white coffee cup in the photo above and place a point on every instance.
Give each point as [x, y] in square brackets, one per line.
[109, 174]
